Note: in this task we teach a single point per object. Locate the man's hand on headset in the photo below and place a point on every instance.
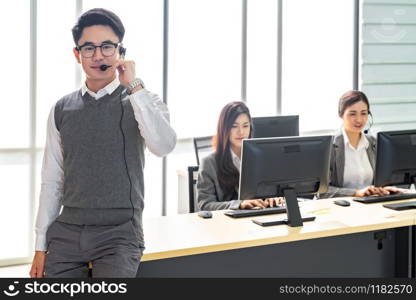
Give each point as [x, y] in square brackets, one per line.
[127, 72]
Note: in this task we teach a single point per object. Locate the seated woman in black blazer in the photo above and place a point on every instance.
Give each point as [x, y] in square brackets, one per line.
[218, 178]
[353, 152]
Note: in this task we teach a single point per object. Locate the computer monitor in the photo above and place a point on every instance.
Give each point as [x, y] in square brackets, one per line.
[396, 158]
[288, 167]
[277, 126]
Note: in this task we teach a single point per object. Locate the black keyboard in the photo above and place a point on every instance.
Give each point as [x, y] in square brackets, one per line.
[239, 213]
[392, 197]
[401, 205]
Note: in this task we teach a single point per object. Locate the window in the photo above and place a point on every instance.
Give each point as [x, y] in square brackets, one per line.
[388, 63]
[15, 151]
[204, 62]
[56, 64]
[317, 60]
[204, 74]
[262, 57]
[15, 215]
[15, 101]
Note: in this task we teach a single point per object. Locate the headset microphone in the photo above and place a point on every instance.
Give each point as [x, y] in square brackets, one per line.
[104, 67]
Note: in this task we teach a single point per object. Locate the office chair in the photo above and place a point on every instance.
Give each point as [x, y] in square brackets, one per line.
[202, 144]
[192, 180]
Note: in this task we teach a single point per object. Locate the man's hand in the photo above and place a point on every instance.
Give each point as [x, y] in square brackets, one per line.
[38, 265]
[127, 72]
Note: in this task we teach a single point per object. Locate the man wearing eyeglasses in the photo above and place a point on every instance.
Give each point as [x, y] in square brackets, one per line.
[92, 194]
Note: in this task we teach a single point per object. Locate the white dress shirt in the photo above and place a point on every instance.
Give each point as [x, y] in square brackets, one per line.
[236, 160]
[152, 117]
[358, 172]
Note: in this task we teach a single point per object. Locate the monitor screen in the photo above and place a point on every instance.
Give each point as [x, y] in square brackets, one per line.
[277, 126]
[271, 165]
[285, 167]
[396, 158]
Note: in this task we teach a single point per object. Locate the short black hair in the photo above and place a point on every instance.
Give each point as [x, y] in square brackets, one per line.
[98, 16]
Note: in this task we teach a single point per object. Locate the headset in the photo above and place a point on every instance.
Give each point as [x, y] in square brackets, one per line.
[122, 52]
[124, 153]
[370, 121]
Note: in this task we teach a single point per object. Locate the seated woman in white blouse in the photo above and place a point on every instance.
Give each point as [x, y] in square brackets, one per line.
[353, 152]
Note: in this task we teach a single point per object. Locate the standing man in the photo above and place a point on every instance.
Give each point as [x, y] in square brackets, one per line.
[94, 159]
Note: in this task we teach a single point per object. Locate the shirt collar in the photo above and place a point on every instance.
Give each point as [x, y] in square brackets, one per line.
[108, 89]
[363, 143]
[236, 159]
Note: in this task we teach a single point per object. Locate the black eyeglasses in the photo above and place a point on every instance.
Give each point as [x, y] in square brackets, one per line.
[107, 49]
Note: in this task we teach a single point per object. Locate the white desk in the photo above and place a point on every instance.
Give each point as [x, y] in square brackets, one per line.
[178, 238]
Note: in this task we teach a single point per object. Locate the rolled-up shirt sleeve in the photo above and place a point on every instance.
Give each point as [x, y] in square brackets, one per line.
[152, 115]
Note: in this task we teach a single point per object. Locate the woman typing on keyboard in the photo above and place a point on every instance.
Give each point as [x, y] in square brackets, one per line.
[353, 153]
[218, 177]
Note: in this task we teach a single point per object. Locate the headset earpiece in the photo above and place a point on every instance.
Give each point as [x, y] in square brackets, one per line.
[122, 51]
[370, 120]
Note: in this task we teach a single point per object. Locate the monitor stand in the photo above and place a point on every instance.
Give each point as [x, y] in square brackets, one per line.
[410, 182]
[294, 218]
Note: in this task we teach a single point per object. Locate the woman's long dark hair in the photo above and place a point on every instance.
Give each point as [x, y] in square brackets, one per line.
[228, 175]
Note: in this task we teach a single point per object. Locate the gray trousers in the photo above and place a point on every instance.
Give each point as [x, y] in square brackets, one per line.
[114, 250]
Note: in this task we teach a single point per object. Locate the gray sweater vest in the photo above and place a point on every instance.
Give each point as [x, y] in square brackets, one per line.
[96, 178]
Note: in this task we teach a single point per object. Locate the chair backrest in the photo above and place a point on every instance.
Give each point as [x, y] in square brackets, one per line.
[202, 144]
[192, 180]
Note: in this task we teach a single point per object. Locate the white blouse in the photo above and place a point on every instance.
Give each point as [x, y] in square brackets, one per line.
[358, 172]
[236, 160]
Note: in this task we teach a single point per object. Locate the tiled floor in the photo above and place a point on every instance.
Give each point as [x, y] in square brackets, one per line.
[15, 271]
